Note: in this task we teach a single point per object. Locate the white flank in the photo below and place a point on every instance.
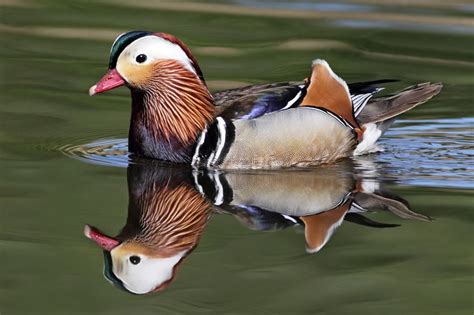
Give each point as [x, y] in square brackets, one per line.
[294, 137]
[371, 135]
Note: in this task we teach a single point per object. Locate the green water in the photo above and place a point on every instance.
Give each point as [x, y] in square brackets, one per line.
[53, 51]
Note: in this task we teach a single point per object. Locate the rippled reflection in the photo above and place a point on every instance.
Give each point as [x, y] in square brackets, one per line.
[166, 217]
[169, 208]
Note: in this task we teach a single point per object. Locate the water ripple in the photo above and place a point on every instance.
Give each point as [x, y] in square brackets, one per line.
[434, 153]
[431, 153]
[107, 152]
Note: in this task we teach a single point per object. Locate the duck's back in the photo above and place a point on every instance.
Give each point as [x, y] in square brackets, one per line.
[322, 129]
[315, 123]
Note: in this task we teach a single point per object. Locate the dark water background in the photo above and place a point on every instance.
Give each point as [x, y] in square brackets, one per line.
[53, 51]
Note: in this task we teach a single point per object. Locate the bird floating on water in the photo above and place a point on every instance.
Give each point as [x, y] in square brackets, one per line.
[169, 209]
[175, 117]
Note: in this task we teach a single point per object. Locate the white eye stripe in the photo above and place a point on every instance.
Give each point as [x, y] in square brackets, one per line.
[146, 276]
[156, 48]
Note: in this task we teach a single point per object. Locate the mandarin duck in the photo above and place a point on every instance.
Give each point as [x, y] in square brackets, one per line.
[169, 209]
[175, 117]
[166, 217]
[319, 200]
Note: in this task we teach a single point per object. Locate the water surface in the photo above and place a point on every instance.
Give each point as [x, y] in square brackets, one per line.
[52, 185]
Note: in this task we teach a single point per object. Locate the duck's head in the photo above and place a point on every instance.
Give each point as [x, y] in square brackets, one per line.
[166, 217]
[133, 266]
[171, 103]
[139, 59]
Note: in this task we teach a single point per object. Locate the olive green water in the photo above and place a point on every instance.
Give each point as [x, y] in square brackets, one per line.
[53, 51]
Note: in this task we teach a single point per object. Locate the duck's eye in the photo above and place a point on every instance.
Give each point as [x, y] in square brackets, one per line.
[135, 260]
[141, 58]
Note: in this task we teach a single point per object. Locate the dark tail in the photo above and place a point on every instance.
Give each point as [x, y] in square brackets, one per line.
[379, 114]
[385, 200]
[386, 108]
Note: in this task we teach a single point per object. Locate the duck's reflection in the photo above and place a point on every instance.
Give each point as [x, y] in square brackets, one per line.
[166, 217]
[319, 200]
[169, 208]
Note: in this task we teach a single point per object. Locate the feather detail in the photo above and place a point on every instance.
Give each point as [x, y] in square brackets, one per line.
[298, 137]
[169, 112]
[327, 90]
[166, 218]
[171, 220]
[186, 50]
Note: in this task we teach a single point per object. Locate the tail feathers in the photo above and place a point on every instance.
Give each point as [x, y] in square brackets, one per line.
[383, 109]
[383, 200]
[379, 114]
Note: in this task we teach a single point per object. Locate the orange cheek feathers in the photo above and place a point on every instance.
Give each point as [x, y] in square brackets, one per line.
[136, 75]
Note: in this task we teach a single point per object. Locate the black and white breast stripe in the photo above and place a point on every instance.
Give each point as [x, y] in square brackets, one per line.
[214, 143]
[213, 186]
